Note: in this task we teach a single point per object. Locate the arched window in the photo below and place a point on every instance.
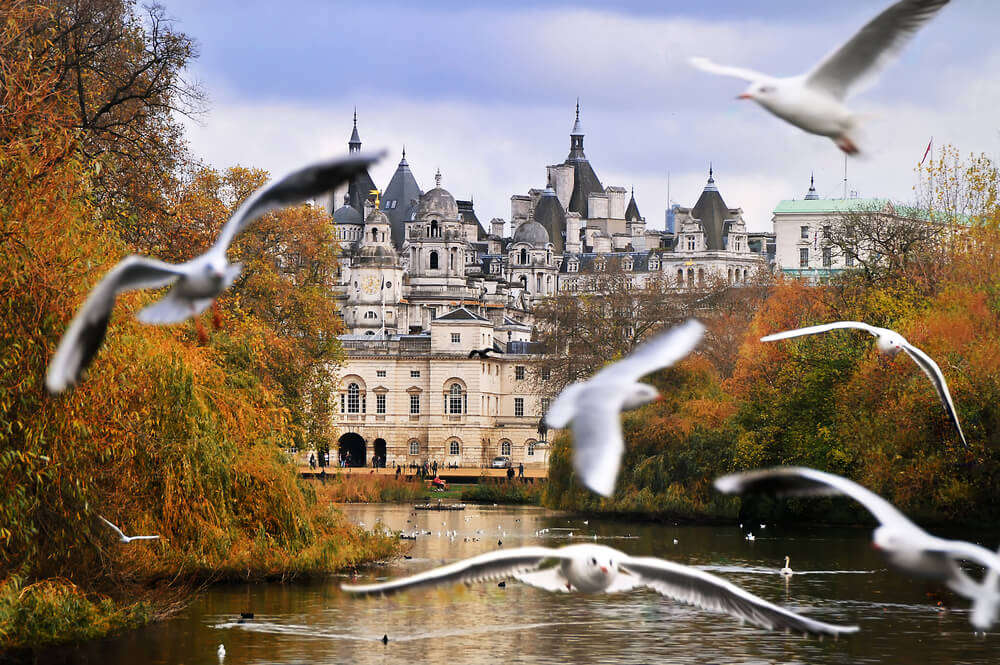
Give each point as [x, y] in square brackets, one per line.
[374, 235]
[434, 228]
[353, 398]
[745, 271]
[680, 277]
[434, 260]
[505, 448]
[548, 257]
[370, 314]
[550, 289]
[414, 447]
[731, 275]
[456, 399]
[538, 283]
[453, 448]
[524, 257]
[690, 277]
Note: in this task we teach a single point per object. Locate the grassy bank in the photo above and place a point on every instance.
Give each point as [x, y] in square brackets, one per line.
[362, 487]
[502, 491]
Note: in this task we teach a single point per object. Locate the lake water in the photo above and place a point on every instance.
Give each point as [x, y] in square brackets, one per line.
[841, 579]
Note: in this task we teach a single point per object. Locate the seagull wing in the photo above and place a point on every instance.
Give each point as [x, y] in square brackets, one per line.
[704, 590]
[83, 338]
[116, 529]
[598, 445]
[661, 351]
[294, 188]
[873, 48]
[562, 410]
[826, 327]
[144, 538]
[550, 579]
[489, 566]
[801, 481]
[933, 372]
[706, 65]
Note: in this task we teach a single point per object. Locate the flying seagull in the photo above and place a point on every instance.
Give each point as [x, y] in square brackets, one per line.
[598, 569]
[482, 353]
[814, 101]
[122, 538]
[889, 342]
[196, 283]
[905, 545]
[593, 406]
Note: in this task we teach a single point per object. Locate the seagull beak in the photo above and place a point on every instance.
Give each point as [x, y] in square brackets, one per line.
[604, 569]
[745, 95]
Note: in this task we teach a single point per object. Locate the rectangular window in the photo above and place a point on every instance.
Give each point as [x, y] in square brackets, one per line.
[456, 338]
[414, 447]
[803, 257]
[519, 372]
[804, 232]
[826, 232]
[518, 406]
[546, 373]
[545, 405]
[690, 244]
[380, 403]
[380, 373]
[827, 257]
[414, 403]
[414, 373]
[849, 260]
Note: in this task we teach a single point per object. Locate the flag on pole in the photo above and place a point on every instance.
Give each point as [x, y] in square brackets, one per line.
[930, 145]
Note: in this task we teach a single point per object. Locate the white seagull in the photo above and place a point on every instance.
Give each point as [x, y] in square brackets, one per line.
[904, 544]
[594, 406]
[814, 101]
[787, 570]
[196, 283]
[596, 569]
[122, 538]
[890, 343]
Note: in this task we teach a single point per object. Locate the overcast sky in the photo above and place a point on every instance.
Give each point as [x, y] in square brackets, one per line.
[485, 92]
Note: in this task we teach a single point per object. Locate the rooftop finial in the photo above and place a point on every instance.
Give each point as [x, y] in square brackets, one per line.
[710, 185]
[811, 195]
[437, 178]
[404, 152]
[354, 144]
[711, 177]
[577, 128]
[355, 116]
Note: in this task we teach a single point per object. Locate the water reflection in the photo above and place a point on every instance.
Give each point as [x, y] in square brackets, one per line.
[841, 580]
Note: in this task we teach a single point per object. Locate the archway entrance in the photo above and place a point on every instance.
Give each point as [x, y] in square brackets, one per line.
[352, 449]
[378, 451]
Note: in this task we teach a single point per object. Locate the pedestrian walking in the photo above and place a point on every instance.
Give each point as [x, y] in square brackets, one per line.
[520, 470]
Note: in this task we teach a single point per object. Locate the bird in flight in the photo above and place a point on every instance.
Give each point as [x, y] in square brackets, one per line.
[814, 101]
[591, 568]
[594, 407]
[906, 546]
[196, 283]
[889, 342]
[122, 538]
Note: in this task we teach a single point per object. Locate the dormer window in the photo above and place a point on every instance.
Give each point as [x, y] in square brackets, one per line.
[654, 264]
[627, 264]
[573, 266]
[691, 243]
[599, 265]
[494, 267]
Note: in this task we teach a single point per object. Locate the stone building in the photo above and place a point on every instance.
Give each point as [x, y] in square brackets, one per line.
[423, 283]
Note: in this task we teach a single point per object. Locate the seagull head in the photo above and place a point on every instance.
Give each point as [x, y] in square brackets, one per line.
[890, 343]
[760, 92]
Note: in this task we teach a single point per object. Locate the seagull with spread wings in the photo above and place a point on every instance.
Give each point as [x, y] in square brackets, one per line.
[593, 407]
[889, 342]
[599, 569]
[905, 545]
[196, 283]
[122, 538]
[815, 101]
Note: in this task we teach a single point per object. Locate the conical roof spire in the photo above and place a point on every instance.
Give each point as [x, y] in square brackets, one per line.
[577, 128]
[710, 185]
[354, 145]
[811, 195]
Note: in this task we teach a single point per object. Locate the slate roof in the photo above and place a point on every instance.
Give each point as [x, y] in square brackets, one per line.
[461, 314]
[550, 215]
[713, 213]
[467, 213]
[360, 186]
[632, 211]
[400, 200]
